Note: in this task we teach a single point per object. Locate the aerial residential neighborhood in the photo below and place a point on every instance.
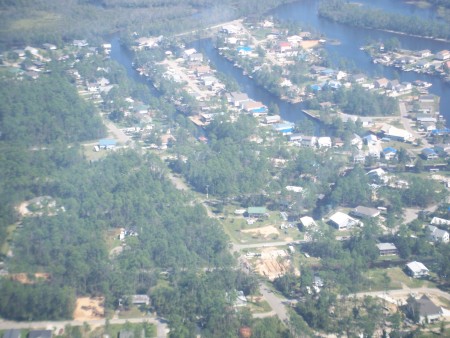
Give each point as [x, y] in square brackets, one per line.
[185, 169]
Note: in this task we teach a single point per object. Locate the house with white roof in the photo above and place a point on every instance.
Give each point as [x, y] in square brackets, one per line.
[343, 221]
[396, 133]
[439, 221]
[308, 222]
[378, 175]
[416, 269]
[438, 235]
[324, 142]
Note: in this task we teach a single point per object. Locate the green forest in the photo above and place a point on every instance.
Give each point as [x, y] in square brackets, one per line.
[46, 21]
[360, 16]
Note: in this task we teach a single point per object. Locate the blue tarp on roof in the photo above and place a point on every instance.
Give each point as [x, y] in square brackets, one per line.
[441, 131]
[244, 49]
[389, 150]
[259, 110]
[107, 142]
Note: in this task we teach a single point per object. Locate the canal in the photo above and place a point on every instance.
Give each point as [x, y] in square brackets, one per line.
[348, 50]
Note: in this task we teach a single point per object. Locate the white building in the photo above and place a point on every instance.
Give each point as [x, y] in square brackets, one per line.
[308, 222]
[343, 221]
[438, 235]
[416, 269]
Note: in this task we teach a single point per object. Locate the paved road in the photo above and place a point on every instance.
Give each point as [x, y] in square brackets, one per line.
[276, 302]
[161, 326]
[410, 214]
[404, 292]
[116, 132]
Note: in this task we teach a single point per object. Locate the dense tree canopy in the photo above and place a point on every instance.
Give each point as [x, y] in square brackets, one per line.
[44, 111]
[361, 16]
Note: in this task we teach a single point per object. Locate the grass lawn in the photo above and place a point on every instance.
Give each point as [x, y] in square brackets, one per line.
[9, 234]
[39, 20]
[258, 306]
[133, 312]
[377, 280]
[397, 279]
[113, 329]
[91, 154]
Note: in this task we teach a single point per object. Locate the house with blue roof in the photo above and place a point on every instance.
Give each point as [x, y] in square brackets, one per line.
[429, 154]
[244, 50]
[107, 143]
[316, 87]
[389, 153]
[284, 128]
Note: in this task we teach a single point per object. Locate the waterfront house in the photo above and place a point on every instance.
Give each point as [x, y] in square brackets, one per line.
[423, 64]
[416, 269]
[423, 53]
[196, 57]
[231, 29]
[237, 98]
[244, 50]
[386, 249]
[381, 83]
[309, 141]
[284, 128]
[442, 55]
[358, 78]
[269, 119]
[253, 106]
[295, 137]
[438, 235]
[392, 84]
[324, 142]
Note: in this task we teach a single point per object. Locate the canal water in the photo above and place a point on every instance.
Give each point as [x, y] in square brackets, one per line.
[347, 50]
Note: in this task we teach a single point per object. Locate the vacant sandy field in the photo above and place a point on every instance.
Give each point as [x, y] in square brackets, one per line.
[89, 308]
[264, 231]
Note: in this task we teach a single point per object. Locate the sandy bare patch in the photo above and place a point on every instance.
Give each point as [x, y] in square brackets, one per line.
[264, 231]
[25, 278]
[22, 209]
[307, 44]
[89, 308]
[273, 263]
